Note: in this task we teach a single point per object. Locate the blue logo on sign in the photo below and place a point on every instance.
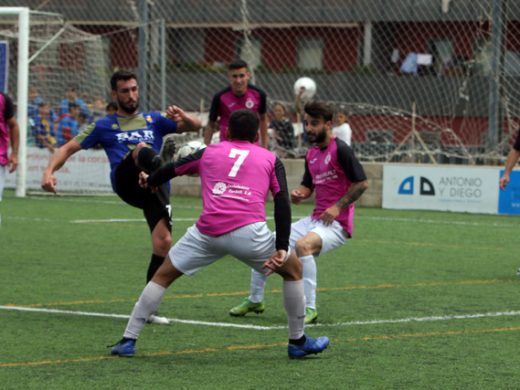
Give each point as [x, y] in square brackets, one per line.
[509, 199]
[425, 186]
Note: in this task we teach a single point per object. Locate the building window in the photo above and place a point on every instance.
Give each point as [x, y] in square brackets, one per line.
[310, 53]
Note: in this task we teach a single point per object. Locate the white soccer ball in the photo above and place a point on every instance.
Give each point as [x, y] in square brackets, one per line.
[309, 85]
[190, 148]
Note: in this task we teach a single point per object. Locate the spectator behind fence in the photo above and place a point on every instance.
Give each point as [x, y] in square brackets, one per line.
[282, 130]
[43, 129]
[341, 127]
[34, 101]
[111, 108]
[68, 126]
[72, 97]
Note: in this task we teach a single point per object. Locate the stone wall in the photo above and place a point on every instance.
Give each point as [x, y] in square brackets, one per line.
[190, 186]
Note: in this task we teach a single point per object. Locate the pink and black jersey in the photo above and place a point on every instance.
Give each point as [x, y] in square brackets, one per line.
[225, 102]
[6, 113]
[330, 172]
[236, 178]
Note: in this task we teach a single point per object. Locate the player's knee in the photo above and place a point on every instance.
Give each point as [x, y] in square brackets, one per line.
[303, 248]
[162, 244]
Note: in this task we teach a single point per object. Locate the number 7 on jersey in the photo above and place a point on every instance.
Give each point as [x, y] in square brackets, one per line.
[240, 155]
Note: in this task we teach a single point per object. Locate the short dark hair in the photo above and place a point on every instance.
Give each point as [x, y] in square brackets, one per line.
[237, 64]
[111, 106]
[121, 75]
[73, 105]
[318, 109]
[243, 125]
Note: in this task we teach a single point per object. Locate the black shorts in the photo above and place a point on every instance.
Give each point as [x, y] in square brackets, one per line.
[155, 205]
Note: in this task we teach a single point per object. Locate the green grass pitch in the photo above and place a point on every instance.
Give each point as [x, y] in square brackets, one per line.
[416, 300]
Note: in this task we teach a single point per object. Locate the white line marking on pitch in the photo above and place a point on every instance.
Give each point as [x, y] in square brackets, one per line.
[511, 313]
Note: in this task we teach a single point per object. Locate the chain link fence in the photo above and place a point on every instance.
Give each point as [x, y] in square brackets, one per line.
[421, 80]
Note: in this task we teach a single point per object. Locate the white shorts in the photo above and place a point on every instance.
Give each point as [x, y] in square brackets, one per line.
[332, 236]
[3, 170]
[252, 244]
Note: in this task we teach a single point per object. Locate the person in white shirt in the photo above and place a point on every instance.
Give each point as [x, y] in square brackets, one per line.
[341, 127]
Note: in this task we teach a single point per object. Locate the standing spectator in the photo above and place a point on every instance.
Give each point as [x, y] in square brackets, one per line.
[9, 136]
[236, 177]
[338, 180]
[282, 129]
[239, 95]
[341, 127]
[43, 129]
[68, 126]
[71, 96]
[131, 140]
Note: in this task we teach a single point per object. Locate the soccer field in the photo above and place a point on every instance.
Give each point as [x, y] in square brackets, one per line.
[415, 300]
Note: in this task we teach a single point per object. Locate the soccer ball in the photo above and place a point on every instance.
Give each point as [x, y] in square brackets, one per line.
[310, 87]
[190, 148]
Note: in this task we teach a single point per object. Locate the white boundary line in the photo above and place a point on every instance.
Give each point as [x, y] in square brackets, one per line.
[510, 313]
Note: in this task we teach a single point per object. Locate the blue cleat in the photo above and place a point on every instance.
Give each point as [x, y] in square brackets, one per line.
[310, 346]
[124, 348]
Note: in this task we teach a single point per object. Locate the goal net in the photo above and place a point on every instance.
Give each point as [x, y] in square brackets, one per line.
[61, 57]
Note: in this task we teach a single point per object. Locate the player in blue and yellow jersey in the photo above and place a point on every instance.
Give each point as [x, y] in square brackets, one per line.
[132, 141]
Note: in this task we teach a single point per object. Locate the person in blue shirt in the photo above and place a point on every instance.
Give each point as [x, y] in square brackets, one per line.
[71, 96]
[132, 141]
[68, 126]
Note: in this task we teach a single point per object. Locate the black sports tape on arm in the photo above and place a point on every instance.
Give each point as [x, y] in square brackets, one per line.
[162, 175]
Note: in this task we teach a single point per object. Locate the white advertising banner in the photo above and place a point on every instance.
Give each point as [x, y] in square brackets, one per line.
[85, 171]
[447, 188]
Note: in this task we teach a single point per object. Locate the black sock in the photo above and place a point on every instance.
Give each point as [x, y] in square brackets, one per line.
[299, 341]
[154, 265]
[148, 160]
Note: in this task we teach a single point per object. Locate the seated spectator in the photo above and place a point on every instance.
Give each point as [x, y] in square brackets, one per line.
[72, 97]
[282, 129]
[341, 127]
[68, 127]
[43, 128]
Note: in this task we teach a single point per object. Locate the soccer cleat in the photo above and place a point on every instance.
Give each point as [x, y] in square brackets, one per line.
[158, 320]
[247, 307]
[168, 150]
[124, 348]
[310, 346]
[518, 272]
[311, 315]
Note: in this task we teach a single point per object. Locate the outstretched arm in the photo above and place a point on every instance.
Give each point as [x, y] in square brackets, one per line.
[185, 121]
[56, 161]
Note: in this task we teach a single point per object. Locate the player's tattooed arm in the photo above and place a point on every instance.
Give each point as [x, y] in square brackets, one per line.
[354, 193]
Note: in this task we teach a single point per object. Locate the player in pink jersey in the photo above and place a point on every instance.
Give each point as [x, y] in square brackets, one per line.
[9, 135]
[236, 176]
[337, 179]
[239, 95]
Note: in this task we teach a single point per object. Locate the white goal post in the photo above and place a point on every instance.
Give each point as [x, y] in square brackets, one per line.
[22, 90]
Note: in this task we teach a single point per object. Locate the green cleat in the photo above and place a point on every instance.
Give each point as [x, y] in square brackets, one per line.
[311, 315]
[247, 307]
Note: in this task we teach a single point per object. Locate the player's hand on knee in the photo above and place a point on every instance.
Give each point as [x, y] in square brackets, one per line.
[276, 261]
